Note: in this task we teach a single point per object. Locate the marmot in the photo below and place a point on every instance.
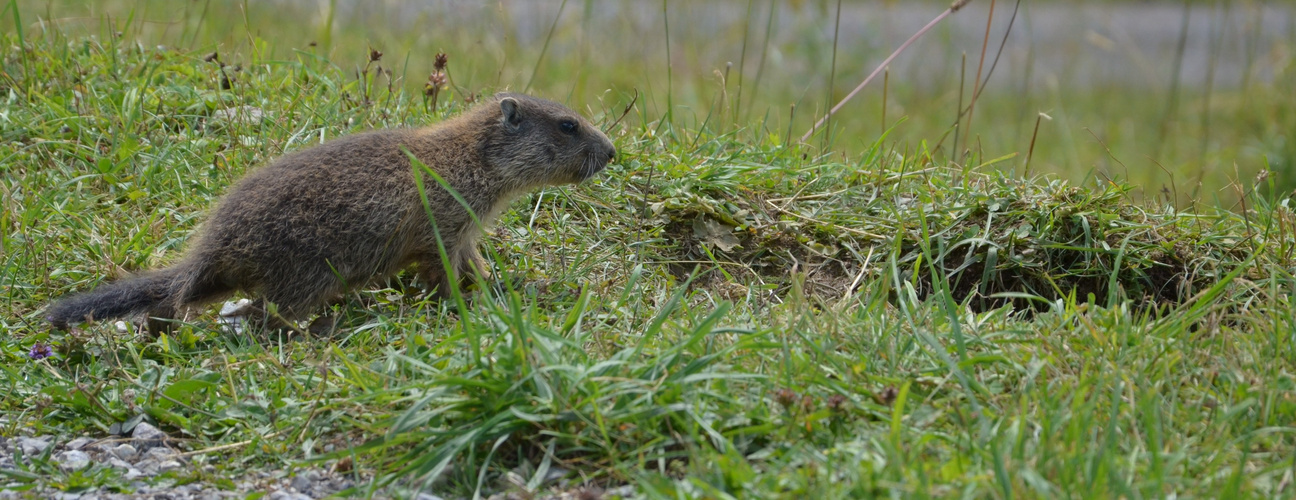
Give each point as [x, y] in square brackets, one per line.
[316, 223]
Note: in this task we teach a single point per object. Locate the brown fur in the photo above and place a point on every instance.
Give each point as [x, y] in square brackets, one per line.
[313, 224]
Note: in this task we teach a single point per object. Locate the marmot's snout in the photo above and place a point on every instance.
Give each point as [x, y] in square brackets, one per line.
[598, 157]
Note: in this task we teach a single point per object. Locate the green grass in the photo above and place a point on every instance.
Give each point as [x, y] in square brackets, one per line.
[886, 324]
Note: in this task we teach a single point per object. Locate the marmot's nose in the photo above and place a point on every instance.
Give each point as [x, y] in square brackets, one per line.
[611, 154]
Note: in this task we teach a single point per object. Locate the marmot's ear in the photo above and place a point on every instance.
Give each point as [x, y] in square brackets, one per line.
[512, 116]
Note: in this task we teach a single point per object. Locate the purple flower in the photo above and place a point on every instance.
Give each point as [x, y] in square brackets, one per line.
[40, 351]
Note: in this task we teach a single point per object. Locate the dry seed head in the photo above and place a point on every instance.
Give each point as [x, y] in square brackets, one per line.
[436, 82]
[837, 403]
[889, 395]
[807, 403]
[785, 397]
[441, 60]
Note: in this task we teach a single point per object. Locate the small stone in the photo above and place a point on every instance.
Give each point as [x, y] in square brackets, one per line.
[33, 446]
[300, 483]
[146, 436]
[334, 485]
[555, 473]
[72, 460]
[169, 465]
[234, 308]
[147, 467]
[132, 474]
[118, 463]
[160, 454]
[125, 451]
[427, 496]
[284, 495]
[97, 446]
[79, 443]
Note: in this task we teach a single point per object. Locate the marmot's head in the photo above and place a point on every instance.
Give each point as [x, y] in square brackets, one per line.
[537, 142]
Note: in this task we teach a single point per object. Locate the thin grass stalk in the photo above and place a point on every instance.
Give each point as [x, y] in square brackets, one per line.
[958, 117]
[990, 73]
[1029, 70]
[791, 117]
[742, 62]
[545, 48]
[670, 103]
[1172, 101]
[1250, 48]
[886, 82]
[326, 33]
[249, 32]
[976, 84]
[1031, 151]
[832, 75]
[958, 4]
[1217, 41]
[197, 28]
[760, 68]
[22, 43]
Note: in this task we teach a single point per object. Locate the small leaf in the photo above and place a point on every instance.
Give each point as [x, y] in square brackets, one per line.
[715, 234]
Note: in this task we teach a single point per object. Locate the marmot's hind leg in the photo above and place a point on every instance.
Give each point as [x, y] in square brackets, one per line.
[201, 288]
[296, 295]
[432, 274]
[259, 318]
[468, 265]
[472, 265]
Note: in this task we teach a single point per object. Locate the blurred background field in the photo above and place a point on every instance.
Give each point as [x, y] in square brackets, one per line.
[1181, 99]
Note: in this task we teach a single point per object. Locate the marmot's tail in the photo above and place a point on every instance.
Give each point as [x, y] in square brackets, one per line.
[127, 297]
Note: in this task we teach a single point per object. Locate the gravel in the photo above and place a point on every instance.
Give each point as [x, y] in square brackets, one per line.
[144, 459]
[148, 454]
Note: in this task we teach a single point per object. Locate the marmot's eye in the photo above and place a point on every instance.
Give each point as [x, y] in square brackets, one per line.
[568, 126]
